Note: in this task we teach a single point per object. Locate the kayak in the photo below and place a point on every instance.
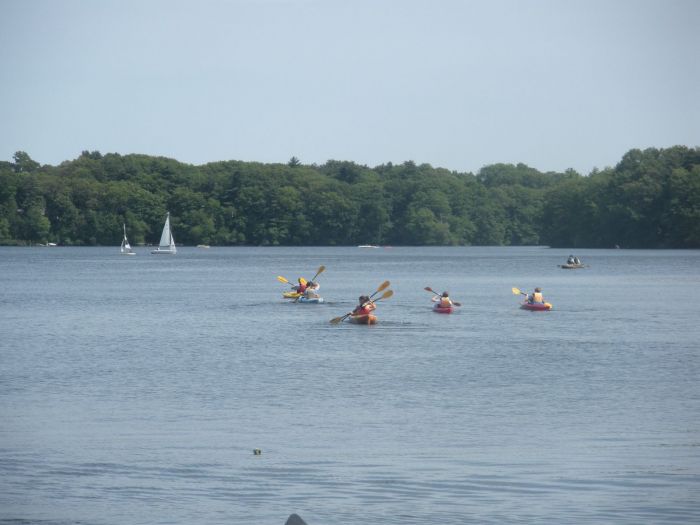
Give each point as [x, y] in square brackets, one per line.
[290, 295]
[363, 319]
[310, 300]
[571, 266]
[536, 307]
[442, 309]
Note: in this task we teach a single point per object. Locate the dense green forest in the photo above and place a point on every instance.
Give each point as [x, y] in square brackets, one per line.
[650, 199]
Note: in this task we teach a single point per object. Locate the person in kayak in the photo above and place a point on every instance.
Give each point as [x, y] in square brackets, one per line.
[365, 307]
[445, 301]
[301, 287]
[311, 291]
[571, 260]
[577, 261]
[536, 297]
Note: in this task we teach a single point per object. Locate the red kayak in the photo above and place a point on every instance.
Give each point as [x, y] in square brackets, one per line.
[536, 307]
[442, 309]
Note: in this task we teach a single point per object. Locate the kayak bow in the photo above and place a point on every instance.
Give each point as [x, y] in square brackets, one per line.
[310, 300]
[536, 307]
[442, 309]
[363, 319]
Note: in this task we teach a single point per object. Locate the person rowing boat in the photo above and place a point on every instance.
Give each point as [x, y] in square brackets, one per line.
[362, 314]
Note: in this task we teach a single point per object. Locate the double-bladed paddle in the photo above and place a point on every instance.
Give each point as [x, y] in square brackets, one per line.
[385, 295]
[429, 289]
[301, 279]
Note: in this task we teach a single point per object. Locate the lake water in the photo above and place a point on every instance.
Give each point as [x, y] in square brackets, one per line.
[133, 390]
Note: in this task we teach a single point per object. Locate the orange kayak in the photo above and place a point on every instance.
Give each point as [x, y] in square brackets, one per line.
[363, 319]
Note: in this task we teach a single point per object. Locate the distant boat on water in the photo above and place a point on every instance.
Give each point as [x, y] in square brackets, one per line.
[126, 247]
[167, 241]
[368, 246]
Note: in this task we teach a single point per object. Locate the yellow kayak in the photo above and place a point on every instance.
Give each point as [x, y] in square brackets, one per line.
[291, 295]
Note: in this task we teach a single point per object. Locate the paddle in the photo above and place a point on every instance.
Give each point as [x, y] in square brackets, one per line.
[518, 292]
[301, 280]
[382, 286]
[319, 272]
[342, 318]
[429, 289]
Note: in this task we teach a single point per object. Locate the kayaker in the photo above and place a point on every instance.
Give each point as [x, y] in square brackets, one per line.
[445, 301]
[571, 260]
[311, 291]
[365, 307]
[301, 287]
[577, 261]
[536, 297]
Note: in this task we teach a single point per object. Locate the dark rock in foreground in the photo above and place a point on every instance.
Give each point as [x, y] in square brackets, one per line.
[294, 519]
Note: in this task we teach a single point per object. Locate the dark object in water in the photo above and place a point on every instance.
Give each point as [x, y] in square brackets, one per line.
[294, 519]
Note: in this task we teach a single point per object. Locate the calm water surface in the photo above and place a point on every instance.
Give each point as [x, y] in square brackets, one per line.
[134, 389]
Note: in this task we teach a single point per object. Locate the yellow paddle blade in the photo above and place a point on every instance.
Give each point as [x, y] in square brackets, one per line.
[383, 286]
[302, 280]
[516, 291]
[282, 279]
[319, 272]
[386, 295]
[336, 320]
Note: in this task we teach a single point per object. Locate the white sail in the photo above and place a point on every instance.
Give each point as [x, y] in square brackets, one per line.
[167, 241]
[126, 247]
[165, 236]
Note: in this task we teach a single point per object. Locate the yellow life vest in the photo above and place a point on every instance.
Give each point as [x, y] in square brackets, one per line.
[537, 297]
[445, 302]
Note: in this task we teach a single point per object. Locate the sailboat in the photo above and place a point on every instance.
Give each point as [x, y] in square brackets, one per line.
[126, 247]
[167, 242]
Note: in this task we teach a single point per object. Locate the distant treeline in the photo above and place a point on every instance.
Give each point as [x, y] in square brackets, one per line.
[651, 199]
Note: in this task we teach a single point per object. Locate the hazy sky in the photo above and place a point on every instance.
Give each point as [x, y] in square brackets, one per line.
[457, 84]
